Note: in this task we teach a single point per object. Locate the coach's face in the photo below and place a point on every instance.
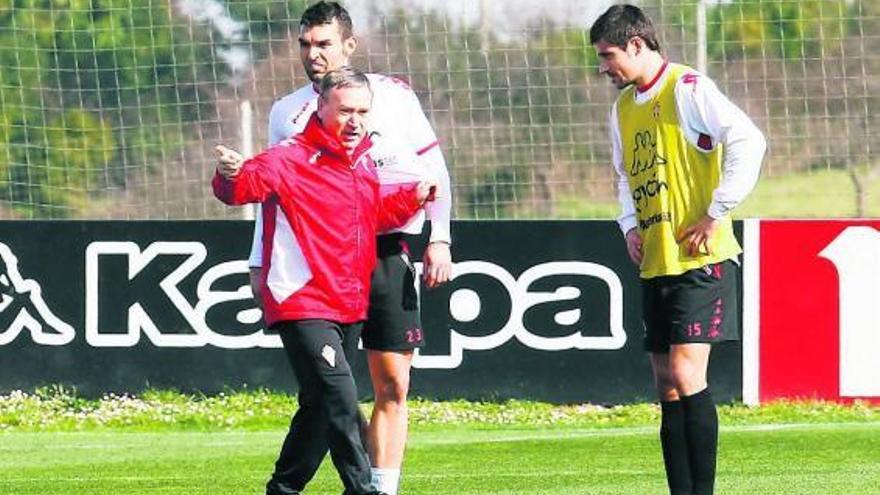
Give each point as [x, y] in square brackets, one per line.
[323, 49]
[621, 65]
[343, 113]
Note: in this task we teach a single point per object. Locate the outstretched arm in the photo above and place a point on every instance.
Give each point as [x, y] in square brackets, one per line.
[238, 182]
[396, 209]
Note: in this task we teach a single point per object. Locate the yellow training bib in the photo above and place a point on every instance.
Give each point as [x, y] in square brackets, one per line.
[671, 180]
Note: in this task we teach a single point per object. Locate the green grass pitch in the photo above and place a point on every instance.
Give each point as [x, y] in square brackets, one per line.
[823, 458]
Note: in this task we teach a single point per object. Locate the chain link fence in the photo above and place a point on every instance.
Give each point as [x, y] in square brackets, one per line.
[109, 109]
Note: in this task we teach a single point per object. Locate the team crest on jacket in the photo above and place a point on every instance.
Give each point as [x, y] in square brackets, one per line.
[329, 355]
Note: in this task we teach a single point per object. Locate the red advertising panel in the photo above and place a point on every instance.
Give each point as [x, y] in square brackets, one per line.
[819, 298]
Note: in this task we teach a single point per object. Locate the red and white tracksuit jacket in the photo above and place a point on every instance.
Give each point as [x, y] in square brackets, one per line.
[322, 211]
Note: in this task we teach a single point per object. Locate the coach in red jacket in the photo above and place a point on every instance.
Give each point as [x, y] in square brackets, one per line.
[322, 190]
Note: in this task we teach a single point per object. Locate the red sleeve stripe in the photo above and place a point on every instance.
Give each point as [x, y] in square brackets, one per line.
[427, 148]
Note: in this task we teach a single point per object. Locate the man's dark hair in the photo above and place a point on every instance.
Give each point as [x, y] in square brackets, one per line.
[343, 77]
[621, 23]
[324, 13]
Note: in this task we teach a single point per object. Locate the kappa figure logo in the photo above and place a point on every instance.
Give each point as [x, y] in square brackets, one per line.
[645, 154]
[22, 307]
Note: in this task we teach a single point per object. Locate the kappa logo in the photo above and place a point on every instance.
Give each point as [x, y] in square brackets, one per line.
[545, 296]
[150, 285]
[168, 294]
[22, 307]
[645, 153]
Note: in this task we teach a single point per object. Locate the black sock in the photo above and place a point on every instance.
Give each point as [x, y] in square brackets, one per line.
[675, 450]
[701, 429]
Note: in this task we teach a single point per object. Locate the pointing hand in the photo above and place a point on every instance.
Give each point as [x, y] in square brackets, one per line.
[229, 161]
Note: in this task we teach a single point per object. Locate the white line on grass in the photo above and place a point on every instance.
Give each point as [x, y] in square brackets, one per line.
[499, 435]
[489, 436]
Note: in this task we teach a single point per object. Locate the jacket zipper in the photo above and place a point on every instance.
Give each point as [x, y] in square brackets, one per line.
[357, 217]
[357, 214]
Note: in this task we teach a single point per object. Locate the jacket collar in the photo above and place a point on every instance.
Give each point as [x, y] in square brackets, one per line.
[315, 134]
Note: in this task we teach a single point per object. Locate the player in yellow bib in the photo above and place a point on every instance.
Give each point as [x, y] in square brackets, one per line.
[685, 156]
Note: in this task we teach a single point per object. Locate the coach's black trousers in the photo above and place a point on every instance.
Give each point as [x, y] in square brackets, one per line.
[328, 415]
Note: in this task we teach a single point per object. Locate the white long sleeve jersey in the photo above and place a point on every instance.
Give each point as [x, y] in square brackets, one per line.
[405, 149]
[702, 110]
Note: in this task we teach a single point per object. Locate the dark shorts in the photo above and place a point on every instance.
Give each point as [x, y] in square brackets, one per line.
[698, 306]
[393, 322]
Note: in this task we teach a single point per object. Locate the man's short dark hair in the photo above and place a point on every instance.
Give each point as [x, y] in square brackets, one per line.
[324, 13]
[621, 23]
[343, 77]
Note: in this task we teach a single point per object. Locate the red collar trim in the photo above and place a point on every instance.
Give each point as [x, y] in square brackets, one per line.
[646, 87]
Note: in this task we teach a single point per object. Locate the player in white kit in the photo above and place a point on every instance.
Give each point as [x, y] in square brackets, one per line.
[405, 151]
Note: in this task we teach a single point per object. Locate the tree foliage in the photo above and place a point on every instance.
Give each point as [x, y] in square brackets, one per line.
[93, 91]
[778, 29]
[96, 95]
